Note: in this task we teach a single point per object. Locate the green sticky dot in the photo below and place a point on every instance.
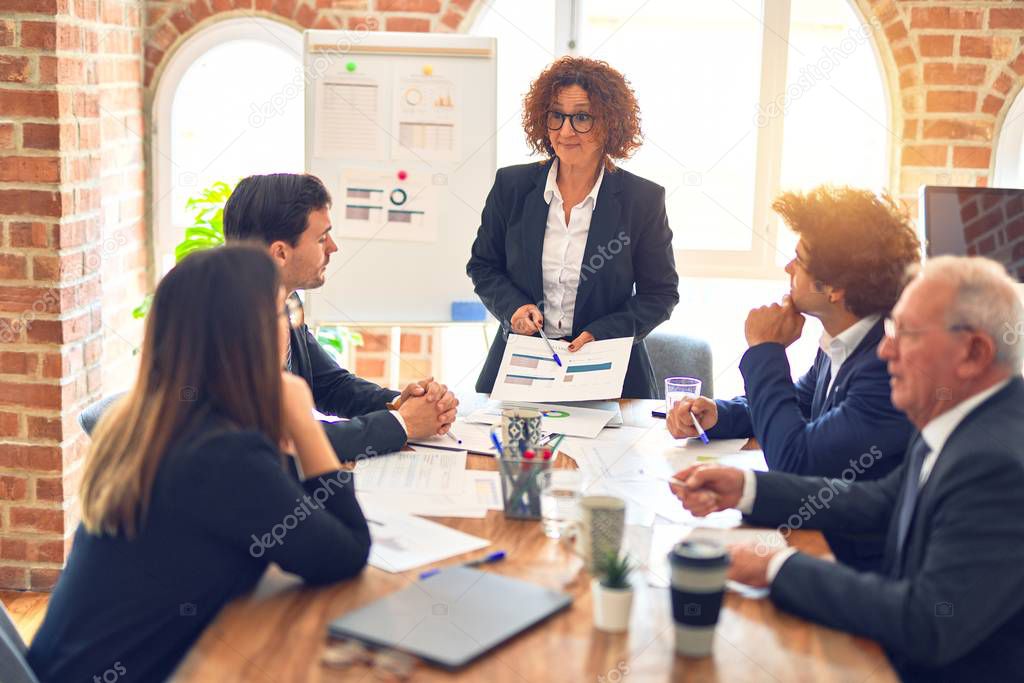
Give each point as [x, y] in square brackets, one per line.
[350, 67]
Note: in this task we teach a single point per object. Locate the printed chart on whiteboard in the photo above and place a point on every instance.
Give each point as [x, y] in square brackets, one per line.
[426, 110]
[388, 206]
[529, 373]
[347, 111]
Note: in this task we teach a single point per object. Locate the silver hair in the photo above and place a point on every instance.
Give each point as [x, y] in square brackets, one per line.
[985, 299]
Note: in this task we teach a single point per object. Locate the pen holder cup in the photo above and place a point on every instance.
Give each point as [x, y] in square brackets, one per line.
[521, 481]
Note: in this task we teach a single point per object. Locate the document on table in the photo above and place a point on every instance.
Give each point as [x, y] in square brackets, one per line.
[481, 492]
[529, 373]
[475, 438]
[555, 418]
[402, 542]
[421, 471]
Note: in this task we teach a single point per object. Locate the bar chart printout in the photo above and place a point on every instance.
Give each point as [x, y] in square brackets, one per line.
[529, 373]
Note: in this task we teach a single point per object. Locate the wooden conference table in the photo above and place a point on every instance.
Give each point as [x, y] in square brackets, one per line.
[278, 633]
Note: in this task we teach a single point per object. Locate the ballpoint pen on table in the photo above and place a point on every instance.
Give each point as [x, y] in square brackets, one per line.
[452, 436]
[554, 356]
[496, 556]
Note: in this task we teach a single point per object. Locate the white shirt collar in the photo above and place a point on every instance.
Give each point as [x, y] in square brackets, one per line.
[938, 431]
[839, 348]
[551, 186]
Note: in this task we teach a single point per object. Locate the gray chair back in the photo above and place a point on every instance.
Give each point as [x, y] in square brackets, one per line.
[88, 418]
[13, 665]
[676, 355]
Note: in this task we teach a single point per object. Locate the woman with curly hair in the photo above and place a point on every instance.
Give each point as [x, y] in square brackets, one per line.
[574, 244]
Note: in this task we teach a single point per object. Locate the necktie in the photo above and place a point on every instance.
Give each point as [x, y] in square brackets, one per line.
[911, 487]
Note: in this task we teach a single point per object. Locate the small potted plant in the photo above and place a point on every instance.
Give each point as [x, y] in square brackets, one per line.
[612, 593]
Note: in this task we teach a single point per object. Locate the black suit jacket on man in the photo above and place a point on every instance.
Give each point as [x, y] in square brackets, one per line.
[849, 427]
[950, 607]
[370, 429]
[628, 285]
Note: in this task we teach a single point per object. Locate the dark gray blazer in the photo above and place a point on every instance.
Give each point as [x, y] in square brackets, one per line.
[370, 429]
[952, 607]
[628, 286]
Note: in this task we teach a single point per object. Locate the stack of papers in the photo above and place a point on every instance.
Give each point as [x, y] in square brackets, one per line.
[429, 482]
[475, 437]
[555, 418]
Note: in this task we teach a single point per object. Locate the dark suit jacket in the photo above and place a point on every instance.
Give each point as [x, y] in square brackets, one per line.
[371, 429]
[805, 430]
[628, 285]
[951, 606]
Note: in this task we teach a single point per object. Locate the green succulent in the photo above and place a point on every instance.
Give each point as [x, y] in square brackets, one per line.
[614, 570]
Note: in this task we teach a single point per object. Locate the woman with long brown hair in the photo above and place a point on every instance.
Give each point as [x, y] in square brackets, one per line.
[184, 497]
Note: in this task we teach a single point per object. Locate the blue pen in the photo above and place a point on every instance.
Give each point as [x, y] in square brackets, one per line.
[551, 348]
[496, 556]
[700, 430]
[497, 444]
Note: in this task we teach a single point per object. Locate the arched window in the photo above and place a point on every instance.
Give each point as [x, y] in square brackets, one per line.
[229, 103]
[1009, 167]
[740, 100]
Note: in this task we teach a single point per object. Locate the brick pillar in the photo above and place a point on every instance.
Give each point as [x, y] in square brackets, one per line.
[54, 106]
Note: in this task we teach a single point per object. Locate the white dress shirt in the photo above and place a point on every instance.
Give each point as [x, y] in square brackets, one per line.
[935, 434]
[562, 258]
[839, 347]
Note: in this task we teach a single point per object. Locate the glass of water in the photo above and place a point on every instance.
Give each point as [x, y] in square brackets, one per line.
[560, 492]
[678, 388]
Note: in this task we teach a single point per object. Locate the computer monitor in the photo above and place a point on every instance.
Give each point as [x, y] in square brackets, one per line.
[982, 221]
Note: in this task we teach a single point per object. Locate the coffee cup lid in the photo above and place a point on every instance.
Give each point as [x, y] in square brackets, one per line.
[700, 552]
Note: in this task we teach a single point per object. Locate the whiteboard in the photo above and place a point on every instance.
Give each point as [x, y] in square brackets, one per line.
[401, 129]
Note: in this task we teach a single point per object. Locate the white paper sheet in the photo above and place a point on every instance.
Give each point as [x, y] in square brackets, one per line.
[427, 114]
[481, 492]
[528, 373]
[371, 204]
[556, 418]
[402, 542]
[475, 439]
[420, 471]
[347, 118]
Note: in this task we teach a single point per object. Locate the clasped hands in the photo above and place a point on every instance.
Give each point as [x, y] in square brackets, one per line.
[528, 320]
[713, 488]
[427, 408]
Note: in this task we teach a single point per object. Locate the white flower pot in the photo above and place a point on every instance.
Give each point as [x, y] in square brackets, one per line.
[611, 607]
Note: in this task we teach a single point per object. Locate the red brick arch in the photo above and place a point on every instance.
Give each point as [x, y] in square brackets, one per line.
[954, 69]
[169, 23]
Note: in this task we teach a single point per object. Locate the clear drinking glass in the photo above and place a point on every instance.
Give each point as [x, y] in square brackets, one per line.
[560, 492]
[678, 388]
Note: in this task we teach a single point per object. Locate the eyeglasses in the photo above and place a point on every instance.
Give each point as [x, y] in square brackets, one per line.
[581, 122]
[293, 312]
[896, 333]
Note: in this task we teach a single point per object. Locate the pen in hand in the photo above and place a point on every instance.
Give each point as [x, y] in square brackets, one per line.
[551, 348]
[700, 430]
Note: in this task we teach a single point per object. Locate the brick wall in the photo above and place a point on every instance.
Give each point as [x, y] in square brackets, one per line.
[954, 69]
[70, 72]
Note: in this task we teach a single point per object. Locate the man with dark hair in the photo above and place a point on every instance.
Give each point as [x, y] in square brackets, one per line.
[290, 213]
[837, 420]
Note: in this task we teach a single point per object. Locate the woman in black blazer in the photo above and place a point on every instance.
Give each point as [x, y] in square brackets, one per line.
[184, 497]
[575, 244]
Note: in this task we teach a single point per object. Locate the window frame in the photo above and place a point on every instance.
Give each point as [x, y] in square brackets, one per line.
[165, 235]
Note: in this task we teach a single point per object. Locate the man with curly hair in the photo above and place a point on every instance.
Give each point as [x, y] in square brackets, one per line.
[837, 420]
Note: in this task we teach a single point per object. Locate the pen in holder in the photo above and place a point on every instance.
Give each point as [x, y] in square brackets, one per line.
[521, 464]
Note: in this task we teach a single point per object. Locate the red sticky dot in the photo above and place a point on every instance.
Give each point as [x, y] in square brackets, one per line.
[402, 175]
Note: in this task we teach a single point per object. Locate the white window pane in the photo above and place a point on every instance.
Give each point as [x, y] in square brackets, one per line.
[699, 122]
[525, 30]
[836, 120]
[238, 110]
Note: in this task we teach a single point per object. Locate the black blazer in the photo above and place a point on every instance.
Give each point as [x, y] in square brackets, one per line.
[950, 607]
[370, 429]
[805, 429]
[628, 286]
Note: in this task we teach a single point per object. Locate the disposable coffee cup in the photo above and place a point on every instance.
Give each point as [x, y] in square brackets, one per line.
[698, 583]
